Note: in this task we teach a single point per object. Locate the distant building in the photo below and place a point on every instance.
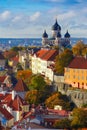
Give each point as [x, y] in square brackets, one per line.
[24, 59]
[76, 73]
[2, 61]
[56, 38]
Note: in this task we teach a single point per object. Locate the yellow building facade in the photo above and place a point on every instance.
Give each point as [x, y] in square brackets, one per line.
[76, 73]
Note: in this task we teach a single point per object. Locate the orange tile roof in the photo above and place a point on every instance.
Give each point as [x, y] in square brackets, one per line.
[20, 86]
[7, 115]
[40, 53]
[47, 54]
[50, 55]
[78, 63]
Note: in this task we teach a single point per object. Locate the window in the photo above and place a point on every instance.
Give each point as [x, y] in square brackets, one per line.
[74, 76]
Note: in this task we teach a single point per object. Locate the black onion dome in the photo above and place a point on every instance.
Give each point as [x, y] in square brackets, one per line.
[45, 35]
[58, 34]
[56, 26]
[67, 35]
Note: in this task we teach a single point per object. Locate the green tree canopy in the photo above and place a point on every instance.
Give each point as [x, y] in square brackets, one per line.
[16, 48]
[37, 82]
[63, 60]
[62, 124]
[79, 119]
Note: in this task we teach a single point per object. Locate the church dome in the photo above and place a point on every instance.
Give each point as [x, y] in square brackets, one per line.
[67, 35]
[59, 35]
[45, 35]
[56, 26]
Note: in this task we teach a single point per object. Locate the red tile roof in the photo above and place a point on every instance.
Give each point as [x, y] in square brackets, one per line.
[16, 58]
[2, 78]
[41, 52]
[20, 86]
[1, 94]
[59, 112]
[7, 98]
[48, 55]
[7, 115]
[78, 63]
[17, 103]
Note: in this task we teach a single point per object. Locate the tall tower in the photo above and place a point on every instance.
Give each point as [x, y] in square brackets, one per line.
[44, 38]
[55, 29]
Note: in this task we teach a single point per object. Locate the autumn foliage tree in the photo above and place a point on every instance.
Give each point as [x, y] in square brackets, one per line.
[79, 49]
[58, 99]
[24, 75]
[62, 60]
[32, 97]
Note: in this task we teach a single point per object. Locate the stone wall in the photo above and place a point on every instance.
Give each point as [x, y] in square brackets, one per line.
[79, 97]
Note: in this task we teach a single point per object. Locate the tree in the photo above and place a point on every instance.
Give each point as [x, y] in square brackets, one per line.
[32, 97]
[19, 67]
[58, 99]
[23, 74]
[37, 82]
[79, 119]
[62, 124]
[16, 48]
[79, 49]
[63, 60]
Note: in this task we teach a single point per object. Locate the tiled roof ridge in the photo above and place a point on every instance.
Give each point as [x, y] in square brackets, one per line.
[78, 62]
[51, 55]
[6, 113]
[20, 85]
[48, 51]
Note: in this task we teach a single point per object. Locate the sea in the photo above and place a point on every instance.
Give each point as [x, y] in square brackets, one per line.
[7, 43]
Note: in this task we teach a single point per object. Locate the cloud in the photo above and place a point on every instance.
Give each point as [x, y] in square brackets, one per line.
[16, 19]
[5, 15]
[34, 17]
[67, 15]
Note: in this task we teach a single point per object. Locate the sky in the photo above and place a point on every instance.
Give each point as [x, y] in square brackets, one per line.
[29, 18]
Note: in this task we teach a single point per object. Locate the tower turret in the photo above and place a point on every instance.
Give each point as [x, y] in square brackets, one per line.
[67, 37]
[44, 38]
[56, 28]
